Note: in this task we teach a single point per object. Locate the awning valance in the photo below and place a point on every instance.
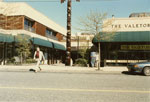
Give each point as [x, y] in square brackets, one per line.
[133, 36]
[37, 41]
[59, 46]
[20, 37]
[42, 42]
[6, 38]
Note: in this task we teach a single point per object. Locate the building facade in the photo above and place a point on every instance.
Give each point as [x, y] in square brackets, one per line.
[130, 41]
[79, 42]
[20, 18]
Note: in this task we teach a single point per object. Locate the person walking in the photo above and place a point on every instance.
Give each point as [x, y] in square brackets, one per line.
[93, 59]
[97, 59]
[38, 56]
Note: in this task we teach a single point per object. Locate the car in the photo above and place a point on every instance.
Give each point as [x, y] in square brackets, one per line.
[140, 67]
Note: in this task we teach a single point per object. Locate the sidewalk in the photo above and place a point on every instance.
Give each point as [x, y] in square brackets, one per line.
[62, 68]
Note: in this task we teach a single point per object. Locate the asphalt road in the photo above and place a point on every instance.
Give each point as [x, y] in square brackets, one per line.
[69, 87]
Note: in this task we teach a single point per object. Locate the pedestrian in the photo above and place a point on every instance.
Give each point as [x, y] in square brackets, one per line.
[97, 59]
[38, 56]
[93, 58]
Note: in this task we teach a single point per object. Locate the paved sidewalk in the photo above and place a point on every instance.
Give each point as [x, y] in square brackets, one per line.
[63, 68]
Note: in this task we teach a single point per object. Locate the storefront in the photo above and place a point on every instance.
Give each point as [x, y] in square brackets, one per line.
[25, 20]
[53, 52]
[129, 43]
[125, 49]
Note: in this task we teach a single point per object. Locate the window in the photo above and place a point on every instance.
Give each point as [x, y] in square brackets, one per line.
[64, 38]
[28, 25]
[51, 34]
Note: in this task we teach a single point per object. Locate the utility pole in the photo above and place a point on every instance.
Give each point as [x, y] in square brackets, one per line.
[68, 41]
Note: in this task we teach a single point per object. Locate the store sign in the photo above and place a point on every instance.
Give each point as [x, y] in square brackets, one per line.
[135, 47]
[127, 24]
[130, 26]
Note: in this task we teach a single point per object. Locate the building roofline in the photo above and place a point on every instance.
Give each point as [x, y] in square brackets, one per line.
[128, 18]
[12, 9]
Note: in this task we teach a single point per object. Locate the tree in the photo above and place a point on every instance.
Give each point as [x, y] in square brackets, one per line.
[24, 47]
[94, 22]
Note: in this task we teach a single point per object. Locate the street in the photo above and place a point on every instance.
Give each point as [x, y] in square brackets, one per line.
[73, 87]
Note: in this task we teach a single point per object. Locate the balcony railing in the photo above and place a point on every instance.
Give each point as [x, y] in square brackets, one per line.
[28, 28]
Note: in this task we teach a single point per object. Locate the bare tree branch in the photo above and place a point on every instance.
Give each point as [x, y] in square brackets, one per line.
[92, 22]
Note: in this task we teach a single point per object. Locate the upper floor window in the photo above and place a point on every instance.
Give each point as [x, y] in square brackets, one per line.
[51, 34]
[64, 38]
[28, 25]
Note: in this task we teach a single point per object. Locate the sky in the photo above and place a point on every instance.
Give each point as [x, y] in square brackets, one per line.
[58, 12]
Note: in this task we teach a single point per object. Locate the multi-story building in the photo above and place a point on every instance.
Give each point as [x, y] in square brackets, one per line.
[130, 41]
[78, 42]
[20, 18]
[81, 41]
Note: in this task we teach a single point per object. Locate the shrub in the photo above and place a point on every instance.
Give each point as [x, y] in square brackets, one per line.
[81, 62]
[11, 60]
[30, 60]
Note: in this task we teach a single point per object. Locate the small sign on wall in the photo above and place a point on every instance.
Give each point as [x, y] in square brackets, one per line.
[135, 47]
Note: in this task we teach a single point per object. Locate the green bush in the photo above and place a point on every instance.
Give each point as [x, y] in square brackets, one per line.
[11, 60]
[30, 60]
[81, 62]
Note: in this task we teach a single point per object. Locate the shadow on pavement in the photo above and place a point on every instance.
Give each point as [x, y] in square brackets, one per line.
[131, 73]
[32, 70]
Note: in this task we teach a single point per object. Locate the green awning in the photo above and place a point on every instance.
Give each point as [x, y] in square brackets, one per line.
[21, 37]
[133, 36]
[59, 46]
[6, 38]
[42, 42]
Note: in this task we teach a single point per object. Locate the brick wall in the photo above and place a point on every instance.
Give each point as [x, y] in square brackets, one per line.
[11, 22]
[2, 21]
[40, 29]
[59, 36]
[17, 22]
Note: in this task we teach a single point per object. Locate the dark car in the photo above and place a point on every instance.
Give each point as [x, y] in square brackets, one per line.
[140, 67]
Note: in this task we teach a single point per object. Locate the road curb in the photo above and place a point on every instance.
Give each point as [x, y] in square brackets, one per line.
[63, 69]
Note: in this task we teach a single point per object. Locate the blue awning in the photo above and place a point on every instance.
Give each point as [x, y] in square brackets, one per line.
[59, 46]
[42, 42]
[129, 36]
[6, 38]
[21, 37]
